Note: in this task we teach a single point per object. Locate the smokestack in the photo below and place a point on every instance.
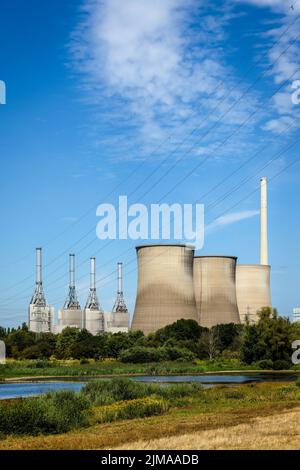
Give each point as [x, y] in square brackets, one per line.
[93, 274]
[72, 270]
[120, 305]
[120, 278]
[92, 301]
[71, 301]
[38, 266]
[263, 222]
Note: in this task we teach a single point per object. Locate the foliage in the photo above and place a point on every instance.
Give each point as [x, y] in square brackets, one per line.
[269, 339]
[138, 408]
[49, 414]
[141, 354]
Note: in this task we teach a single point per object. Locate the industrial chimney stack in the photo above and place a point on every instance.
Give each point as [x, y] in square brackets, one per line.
[92, 301]
[120, 305]
[263, 222]
[40, 315]
[71, 301]
[93, 317]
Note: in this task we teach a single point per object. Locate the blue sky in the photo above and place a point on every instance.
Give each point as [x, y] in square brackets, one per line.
[179, 92]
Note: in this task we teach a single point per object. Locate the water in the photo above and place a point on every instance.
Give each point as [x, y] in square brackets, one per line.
[29, 389]
[220, 378]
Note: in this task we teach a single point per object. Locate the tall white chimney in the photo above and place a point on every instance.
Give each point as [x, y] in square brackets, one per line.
[38, 265]
[263, 222]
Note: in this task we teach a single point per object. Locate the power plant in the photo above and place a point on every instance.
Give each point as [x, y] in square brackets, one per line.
[71, 314]
[165, 291]
[93, 316]
[172, 284]
[40, 315]
[172, 281]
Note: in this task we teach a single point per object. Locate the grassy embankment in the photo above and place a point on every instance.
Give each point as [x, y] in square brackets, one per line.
[73, 368]
[129, 415]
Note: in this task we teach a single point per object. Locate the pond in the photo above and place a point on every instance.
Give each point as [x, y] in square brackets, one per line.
[35, 388]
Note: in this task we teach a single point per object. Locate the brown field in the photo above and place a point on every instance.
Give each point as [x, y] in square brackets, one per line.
[280, 431]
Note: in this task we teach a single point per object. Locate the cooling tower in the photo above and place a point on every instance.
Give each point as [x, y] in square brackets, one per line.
[165, 291]
[253, 290]
[215, 290]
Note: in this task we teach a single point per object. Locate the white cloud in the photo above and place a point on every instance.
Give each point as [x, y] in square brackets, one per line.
[160, 64]
[229, 219]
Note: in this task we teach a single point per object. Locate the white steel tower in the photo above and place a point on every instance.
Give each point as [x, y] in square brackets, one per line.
[120, 305]
[40, 315]
[93, 313]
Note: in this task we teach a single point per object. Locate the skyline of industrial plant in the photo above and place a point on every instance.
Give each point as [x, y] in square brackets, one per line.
[200, 121]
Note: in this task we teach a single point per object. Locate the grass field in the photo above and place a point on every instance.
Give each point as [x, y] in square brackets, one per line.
[220, 417]
[73, 368]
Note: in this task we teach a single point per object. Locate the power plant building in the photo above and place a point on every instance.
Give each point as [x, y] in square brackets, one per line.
[93, 316]
[215, 290]
[165, 291]
[40, 315]
[71, 315]
[118, 319]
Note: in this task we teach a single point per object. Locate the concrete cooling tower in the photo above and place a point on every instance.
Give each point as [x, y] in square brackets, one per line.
[253, 290]
[165, 291]
[215, 290]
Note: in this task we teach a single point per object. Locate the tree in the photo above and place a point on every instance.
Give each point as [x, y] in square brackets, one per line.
[210, 341]
[180, 330]
[270, 338]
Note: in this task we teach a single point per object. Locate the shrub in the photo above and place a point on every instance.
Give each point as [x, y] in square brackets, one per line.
[281, 364]
[140, 354]
[182, 354]
[138, 408]
[265, 364]
[234, 394]
[49, 414]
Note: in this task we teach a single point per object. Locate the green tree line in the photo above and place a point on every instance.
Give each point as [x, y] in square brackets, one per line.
[268, 342]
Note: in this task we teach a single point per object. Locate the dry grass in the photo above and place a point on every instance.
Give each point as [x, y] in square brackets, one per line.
[277, 432]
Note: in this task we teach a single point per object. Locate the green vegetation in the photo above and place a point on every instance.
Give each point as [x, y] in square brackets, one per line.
[50, 414]
[59, 412]
[264, 345]
[183, 405]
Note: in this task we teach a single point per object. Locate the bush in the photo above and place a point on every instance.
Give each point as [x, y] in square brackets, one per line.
[142, 354]
[138, 408]
[266, 364]
[49, 414]
[281, 364]
[107, 392]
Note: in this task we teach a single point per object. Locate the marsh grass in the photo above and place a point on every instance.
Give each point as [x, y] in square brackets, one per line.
[130, 409]
[49, 414]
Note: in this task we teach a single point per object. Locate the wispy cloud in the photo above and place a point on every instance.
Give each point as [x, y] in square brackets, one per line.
[285, 35]
[229, 219]
[154, 66]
